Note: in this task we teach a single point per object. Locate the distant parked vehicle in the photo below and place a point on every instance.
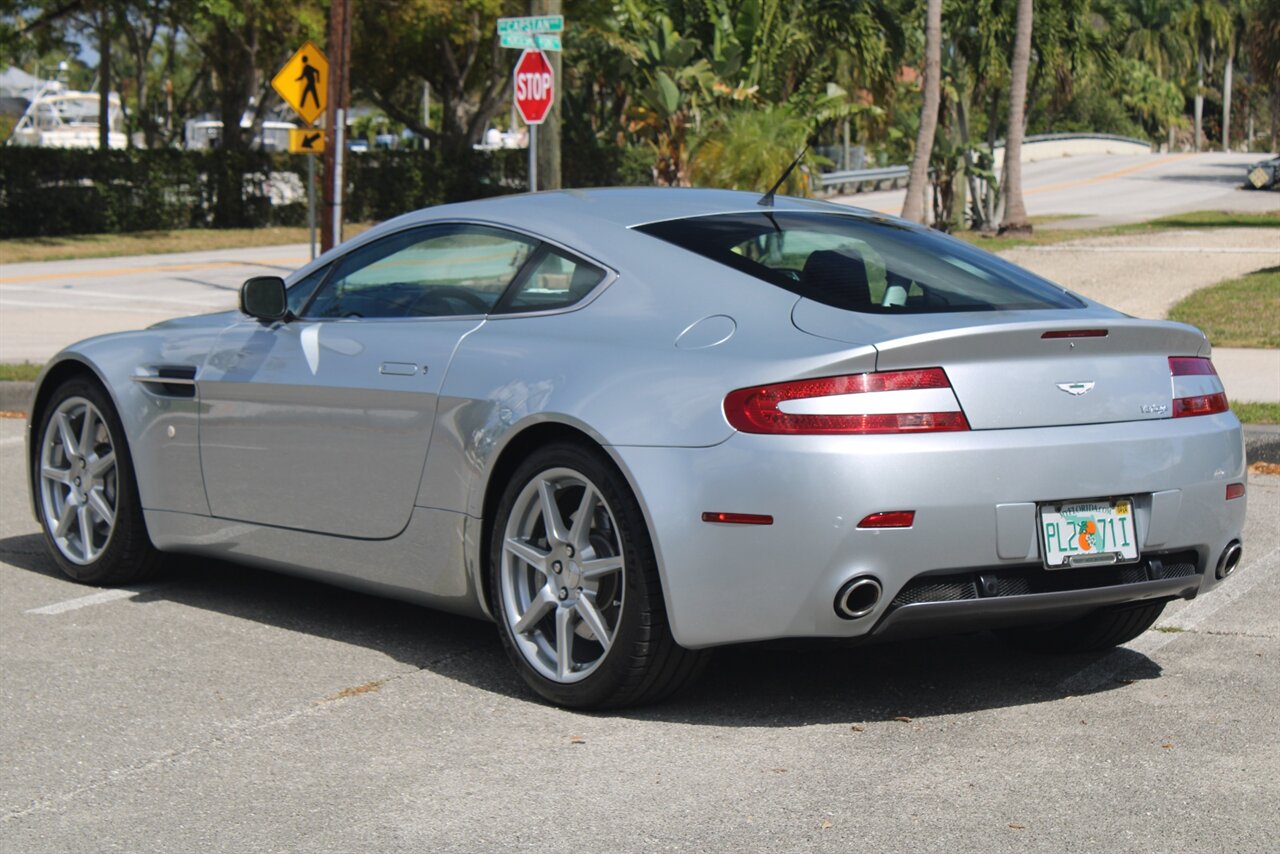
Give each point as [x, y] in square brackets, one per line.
[202, 134]
[1263, 175]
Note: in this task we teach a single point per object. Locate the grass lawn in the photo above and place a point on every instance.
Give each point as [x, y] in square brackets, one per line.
[19, 371]
[1243, 312]
[1196, 219]
[16, 250]
[1257, 413]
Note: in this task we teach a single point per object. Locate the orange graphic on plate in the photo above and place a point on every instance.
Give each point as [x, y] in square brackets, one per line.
[1088, 529]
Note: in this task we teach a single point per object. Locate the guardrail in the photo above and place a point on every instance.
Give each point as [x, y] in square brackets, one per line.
[859, 177]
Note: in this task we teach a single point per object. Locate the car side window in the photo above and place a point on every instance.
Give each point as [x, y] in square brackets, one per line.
[436, 271]
[301, 290]
[557, 280]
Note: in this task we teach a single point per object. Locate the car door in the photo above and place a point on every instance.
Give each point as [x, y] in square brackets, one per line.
[322, 422]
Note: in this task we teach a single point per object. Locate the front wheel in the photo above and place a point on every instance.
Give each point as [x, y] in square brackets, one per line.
[575, 585]
[85, 491]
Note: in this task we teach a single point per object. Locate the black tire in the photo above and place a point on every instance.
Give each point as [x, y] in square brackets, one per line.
[1097, 631]
[644, 663]
[126, 555]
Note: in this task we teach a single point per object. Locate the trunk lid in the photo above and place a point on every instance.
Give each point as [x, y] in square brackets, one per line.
[1013, 370]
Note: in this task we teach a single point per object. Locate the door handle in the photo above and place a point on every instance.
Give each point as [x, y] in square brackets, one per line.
[400, 369]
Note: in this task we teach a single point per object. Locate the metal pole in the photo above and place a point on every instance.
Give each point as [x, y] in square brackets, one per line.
[533, 158]
[311, 201]
[340, 146]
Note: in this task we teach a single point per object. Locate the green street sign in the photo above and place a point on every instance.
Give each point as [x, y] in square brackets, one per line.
[531, 41]
[532, 24]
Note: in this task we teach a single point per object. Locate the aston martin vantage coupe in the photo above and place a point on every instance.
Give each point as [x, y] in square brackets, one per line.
[632, 425]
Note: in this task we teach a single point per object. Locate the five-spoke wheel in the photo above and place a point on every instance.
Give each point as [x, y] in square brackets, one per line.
[84, 488]
[78, 480]
[575, 584]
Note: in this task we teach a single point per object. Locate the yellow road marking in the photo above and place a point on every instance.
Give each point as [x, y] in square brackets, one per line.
[1098, 179]
[162, 268]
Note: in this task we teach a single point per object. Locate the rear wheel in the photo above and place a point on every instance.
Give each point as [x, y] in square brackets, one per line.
[575, 585]
[85, 492]
[1097, 631]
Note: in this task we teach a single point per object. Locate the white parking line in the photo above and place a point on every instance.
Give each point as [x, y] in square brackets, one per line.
[11, 440]
[85, 601]
[1201, 609]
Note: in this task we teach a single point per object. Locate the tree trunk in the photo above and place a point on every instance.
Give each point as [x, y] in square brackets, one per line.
[1226, 99]
[1015, 213]
[917, 184]
[1195, 142]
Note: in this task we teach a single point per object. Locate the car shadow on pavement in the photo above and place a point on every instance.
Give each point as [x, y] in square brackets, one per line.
[756, 685]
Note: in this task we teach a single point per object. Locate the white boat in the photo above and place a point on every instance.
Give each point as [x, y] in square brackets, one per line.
[64, 118]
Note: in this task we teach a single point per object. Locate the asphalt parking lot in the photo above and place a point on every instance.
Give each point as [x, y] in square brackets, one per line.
[229, 709]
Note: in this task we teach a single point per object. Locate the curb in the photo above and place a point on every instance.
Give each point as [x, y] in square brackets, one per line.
[16, 396]
[1261, 441]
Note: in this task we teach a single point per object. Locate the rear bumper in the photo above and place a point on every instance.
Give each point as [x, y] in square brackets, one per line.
[975, 496]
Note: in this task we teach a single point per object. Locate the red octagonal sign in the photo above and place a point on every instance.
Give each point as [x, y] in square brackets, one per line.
[535, 86]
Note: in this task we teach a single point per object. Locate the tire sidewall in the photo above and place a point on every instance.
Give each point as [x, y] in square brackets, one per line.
[612, 673]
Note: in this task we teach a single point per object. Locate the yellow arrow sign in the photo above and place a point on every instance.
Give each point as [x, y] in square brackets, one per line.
[304, 83]
[306, 141]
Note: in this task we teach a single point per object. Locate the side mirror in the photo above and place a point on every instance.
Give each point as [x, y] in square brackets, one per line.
[263, 297]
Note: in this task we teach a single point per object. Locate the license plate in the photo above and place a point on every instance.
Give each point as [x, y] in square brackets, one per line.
[1088, 533]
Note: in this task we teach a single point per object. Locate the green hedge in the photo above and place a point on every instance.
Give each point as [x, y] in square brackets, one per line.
[48, 192]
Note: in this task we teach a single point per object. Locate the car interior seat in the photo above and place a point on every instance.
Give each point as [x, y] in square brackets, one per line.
[838, 277]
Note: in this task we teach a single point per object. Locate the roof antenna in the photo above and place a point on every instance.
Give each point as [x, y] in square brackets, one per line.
[767, 198]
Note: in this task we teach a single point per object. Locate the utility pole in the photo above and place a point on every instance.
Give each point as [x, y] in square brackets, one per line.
[548, 166]
[335, 121]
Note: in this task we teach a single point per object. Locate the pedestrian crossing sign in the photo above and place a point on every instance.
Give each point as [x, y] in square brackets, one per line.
[304, 82]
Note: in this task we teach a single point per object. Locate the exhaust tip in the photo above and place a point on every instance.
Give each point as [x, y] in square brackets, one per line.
[857, 597]
[1230, 559]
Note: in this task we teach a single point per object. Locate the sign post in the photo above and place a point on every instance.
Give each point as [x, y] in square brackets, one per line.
[303, 83]
[534, 95]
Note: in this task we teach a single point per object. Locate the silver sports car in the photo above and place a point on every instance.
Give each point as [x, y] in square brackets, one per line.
[631, 425]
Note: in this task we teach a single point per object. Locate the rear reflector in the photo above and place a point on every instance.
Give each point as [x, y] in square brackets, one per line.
[885, 402]
[1076, 333]
[737, 518]
[1235, 490]
[890, 519]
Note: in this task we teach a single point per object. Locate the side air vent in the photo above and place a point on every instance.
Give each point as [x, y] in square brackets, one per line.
[168, 380]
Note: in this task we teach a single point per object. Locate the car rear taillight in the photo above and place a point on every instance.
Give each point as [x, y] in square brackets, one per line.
[1208, 401]
[919, 401]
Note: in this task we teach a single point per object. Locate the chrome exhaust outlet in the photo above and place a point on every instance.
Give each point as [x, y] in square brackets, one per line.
[1230, 559]
[857, 597]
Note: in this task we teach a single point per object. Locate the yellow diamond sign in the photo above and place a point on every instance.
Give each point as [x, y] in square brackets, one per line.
[304, 82]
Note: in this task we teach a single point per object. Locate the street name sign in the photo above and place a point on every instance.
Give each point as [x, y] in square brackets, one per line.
[532, 24]
[303, 83]
[542, 41]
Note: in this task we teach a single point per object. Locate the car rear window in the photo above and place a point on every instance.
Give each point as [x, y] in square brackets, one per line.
[859, 263]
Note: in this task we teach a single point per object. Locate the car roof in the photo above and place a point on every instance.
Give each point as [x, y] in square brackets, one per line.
[621, 206]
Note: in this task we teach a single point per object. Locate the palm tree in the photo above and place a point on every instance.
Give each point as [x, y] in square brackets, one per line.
[1155, 37]
[1207, 22]
[1015, 211]
[918, 182]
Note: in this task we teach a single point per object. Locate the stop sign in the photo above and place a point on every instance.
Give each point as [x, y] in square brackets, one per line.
[535, 86]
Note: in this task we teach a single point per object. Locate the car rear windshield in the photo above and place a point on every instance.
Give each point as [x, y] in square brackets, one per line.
[860, 263]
